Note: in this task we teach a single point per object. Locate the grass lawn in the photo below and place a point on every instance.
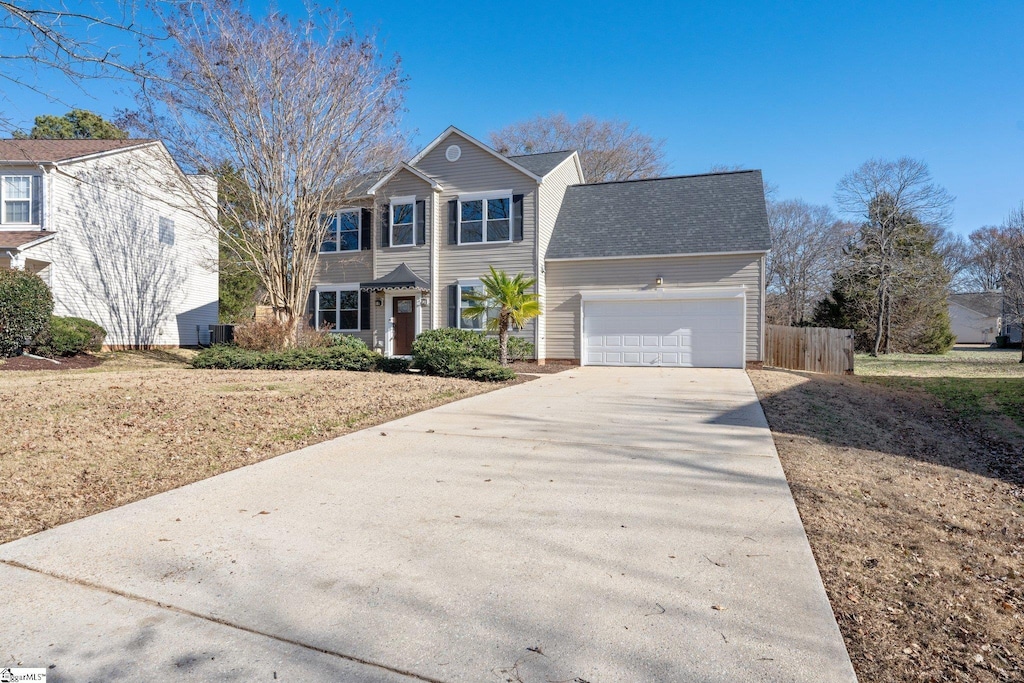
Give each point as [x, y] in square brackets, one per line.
[77, 442]
[909, 478]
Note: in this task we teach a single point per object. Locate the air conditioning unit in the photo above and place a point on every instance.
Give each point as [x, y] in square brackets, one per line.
[222, 334]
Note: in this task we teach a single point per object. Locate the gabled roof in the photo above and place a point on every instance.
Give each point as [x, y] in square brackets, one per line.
[542, 163]
[52, 151]
[988, 304]
[469, 138]
[402, 277]
[699, 214]
[22, 239]
[400, 167]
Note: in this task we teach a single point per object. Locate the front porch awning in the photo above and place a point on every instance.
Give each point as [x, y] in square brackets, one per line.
[401, 277]
[19, 240]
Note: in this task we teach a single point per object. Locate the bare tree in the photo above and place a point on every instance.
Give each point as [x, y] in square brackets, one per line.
[83, 39]
[807, 241]
[297, 112]
[1012, 238]
[987, 258]
[892, 198]
[609, 150]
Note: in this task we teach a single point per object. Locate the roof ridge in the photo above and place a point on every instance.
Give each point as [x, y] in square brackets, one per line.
[669, 177]
[537, 154]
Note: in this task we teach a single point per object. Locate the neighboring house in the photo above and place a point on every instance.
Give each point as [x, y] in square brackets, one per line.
[978, 317]
[663, 272]
[120, 234]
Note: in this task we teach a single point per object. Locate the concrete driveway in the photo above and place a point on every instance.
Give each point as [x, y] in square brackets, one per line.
[596, 525]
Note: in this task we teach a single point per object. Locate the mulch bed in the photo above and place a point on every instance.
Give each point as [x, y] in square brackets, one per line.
[80, 362]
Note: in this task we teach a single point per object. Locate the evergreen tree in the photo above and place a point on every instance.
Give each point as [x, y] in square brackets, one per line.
[77, 124]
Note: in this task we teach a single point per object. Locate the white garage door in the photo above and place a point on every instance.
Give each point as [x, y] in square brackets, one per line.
[687, 333]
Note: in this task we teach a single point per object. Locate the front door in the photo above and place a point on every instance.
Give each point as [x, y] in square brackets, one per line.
[404, 312]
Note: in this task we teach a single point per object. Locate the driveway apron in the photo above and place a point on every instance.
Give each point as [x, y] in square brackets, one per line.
[600, 524]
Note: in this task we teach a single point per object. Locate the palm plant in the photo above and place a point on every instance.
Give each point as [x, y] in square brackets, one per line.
[508, 297]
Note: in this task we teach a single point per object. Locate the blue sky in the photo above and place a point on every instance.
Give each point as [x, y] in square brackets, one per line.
[805, 91]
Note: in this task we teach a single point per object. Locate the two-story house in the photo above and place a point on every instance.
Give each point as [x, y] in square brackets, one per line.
[120, 234]
[661, 272]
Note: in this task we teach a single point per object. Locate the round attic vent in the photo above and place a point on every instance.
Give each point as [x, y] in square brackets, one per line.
[453, 153]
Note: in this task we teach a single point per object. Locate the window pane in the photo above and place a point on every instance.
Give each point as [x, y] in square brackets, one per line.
[472, 211]
[17, 187]
[402, 214]
[401, 234]
[16, 212]
[497, 208]
[349, 241]
[348, 299]
[328, 300]
[348, 220]
[348, 320]
[467, 322]
[327, 319]
[330, 238]
[497, 231]
[472, 231]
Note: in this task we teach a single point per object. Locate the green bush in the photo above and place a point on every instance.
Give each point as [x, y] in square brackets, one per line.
[483, 370]
[68, 337]
[338, 357]
[393, 364]
[437, 352]
[25, 308]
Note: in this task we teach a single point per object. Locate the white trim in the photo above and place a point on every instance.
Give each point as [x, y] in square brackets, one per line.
[452, 129]
[359, 231]
[483, 198]
[403, 166]
[343, 287]
[4, 199]
[408, 199]
[389, 317]
[644, 256]
[671, 294]
[33, 243]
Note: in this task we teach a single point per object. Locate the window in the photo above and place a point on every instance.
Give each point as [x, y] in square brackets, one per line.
[337, 310]
[403, 221]
[342, 232]
[485, 218]
[16, 193]
[466, 322]
[166, 231]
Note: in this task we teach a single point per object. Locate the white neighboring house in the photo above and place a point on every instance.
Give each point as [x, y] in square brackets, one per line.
[976, 318]
[120, 234]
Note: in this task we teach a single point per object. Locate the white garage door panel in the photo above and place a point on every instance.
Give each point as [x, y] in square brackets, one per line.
[681, 333]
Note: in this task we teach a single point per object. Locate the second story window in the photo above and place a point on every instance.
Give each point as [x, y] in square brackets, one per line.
[403, 221]
[16, 196]
[343, 231]
[485, 219]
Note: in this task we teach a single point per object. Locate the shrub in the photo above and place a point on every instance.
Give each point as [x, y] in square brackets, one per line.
[393, 364]
[438, 352]
[68, 337]
[347, 340]
[261, 335]
[483, 370]
[25, 308]
[228, 357]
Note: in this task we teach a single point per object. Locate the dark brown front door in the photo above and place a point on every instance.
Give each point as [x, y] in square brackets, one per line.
[404, 312]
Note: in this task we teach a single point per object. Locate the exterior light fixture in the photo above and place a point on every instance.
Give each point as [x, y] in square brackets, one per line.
[659, 281]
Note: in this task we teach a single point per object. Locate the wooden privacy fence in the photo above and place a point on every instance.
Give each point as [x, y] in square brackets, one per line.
[813, 349]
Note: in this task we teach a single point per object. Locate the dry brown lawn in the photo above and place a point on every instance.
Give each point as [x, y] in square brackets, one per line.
[77, 442]
[915, 515]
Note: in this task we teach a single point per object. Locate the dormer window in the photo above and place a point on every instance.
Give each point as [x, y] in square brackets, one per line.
[403, 221]
[485, 217]
[16, 195]
[343, 230]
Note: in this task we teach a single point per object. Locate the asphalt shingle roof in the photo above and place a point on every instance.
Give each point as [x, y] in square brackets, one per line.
[14, 239]
[543, 163]
[715, 212]
[989, 304]
[43, 151]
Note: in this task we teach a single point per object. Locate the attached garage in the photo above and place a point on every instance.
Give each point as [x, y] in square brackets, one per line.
[688, 328]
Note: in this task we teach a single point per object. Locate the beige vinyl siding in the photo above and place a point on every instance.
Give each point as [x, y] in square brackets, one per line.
[108, 264]
[417, 258]
[551, 193]
[566, 279]
[478, 171]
